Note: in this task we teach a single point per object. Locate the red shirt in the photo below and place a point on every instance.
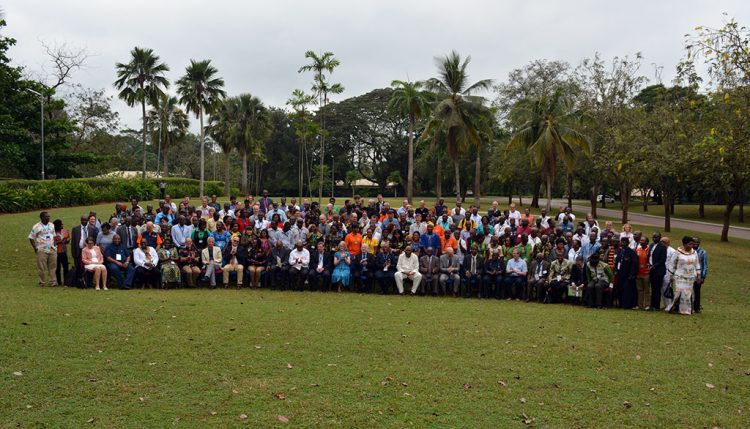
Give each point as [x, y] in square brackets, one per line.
[642, 260]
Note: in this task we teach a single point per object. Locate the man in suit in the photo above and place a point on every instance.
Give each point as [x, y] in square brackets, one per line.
[537, 282]
[626, 270]
[128, 233]
[658, 261]
[234, 259]
[78, 232]
[386, 268]
[494, 268]
[278, 266]
[320, 268]
[473, 269]
[450, 266]
[362, 268]
[429, 267]
[265, 203]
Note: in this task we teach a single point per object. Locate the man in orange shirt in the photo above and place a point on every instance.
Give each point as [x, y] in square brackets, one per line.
[353, 240]
[450, 241]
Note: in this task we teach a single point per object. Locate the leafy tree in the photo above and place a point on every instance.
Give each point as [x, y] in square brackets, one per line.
[141, 81]
[172, 124]
[200, 90]
[548, 136]
[319, 65]
[304, 128]
[411, 101]
[457, 106]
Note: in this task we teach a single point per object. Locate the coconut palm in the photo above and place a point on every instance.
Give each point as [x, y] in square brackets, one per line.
[456, 107]
[546, 135]
[170, 124]
[141, 81]
[201, 91]
[303, 127]
[319, 65]
[410, 100]
[218, 129]
[249, 125]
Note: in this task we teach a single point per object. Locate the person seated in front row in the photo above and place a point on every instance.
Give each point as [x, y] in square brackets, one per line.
[321, 264]
[515, 280]
[429, 267]
[407, 267]
[93, 260]
[536, 285]
[235, 260]
[362, 264]
[277, 272]
[473, 270]
[299, 261]
[386, 267]
[494, 268]
[211, 257]
[558, 279]
[146, 261]
[189, 262]
[117, 258]
[450, 267]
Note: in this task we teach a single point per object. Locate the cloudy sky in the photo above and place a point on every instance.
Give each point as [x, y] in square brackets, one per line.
[259, 46]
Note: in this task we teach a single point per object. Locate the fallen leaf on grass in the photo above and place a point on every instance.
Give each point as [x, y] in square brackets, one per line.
[403, 383]
[526, 419]
[523, 400]
[279, 395]
[28, 407]
[235, 391]
[213, 413]
[243, 416]
[289, 365]
[710, 386]
[92, 421]
[18, 373]
[467, 386]
[314, 385]
[637, 357]
[627, 404]
[502, 383]
[282, 419]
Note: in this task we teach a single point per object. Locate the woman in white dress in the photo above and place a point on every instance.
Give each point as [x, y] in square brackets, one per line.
[685, 268]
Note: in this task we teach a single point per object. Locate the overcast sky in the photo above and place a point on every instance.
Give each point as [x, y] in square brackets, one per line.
[259, 46]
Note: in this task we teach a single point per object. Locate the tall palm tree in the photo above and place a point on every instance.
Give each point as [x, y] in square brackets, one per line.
[546, 135]
[170, 123]
[319, 65]
[249, 125]
[218, 128]
[410, 100]
[299, 102]
[483, 122]
[201, 91]
[141, 81]
[456, 106]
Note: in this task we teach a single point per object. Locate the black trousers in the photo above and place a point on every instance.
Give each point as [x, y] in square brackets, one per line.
[62, 268]
[278, 277]
[656, 283]
[362, 279]
[320, 280]
[298, 278]
[151, 277]
[386, 280]
[696, 294]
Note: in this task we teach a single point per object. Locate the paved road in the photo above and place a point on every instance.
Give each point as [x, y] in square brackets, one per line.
[658, 221]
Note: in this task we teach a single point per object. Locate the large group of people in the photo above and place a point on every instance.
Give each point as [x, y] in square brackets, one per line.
[369, 246]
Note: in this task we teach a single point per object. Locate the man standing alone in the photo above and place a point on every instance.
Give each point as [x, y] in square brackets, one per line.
[42, 239]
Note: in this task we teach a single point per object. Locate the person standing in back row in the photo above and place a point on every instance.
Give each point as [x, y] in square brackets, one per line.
[42, 239]
[703, 260]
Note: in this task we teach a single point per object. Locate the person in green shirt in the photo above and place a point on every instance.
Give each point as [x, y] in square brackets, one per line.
[558, 279]
[598, 280]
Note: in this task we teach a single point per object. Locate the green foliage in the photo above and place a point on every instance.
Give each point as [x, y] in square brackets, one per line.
[25, 195]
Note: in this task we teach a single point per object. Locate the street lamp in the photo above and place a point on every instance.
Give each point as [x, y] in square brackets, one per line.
[41, 103]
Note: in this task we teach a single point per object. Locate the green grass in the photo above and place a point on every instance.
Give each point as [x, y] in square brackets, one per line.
[201, 358]
[714, 213]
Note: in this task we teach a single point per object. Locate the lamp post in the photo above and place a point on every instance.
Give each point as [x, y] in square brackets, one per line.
[41, 103]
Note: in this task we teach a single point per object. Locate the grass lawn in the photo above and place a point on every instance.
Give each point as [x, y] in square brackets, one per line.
[200, 358]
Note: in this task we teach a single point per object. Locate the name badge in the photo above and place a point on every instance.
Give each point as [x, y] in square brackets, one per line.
[559, 277]
[118, 257]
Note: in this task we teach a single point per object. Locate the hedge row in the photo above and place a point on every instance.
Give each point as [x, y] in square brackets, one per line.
[25, 195]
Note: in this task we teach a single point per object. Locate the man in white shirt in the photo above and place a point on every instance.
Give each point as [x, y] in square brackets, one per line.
[514, 214]
[407, 267]
[299, 260]
[42, 238]
[566, 212]
[146, 260]
[181, 231]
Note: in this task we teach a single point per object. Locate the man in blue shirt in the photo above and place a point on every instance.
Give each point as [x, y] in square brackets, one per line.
[430, 239]
[703, 259]
[516, 270]
[117, 260]
[590, 247]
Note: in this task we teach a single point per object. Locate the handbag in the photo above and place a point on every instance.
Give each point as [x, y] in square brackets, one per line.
[669, 292]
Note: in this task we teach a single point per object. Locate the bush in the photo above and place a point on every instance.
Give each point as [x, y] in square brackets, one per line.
[25, 195]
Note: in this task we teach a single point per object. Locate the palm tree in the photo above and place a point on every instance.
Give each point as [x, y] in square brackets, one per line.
[141, 81]
[218, 129]
[484, 122]
[302, 125]
[172, 124]
[457, 106]
[410, 100]
[547, 137]
[249, 124]
[201, 91]
[319, 65]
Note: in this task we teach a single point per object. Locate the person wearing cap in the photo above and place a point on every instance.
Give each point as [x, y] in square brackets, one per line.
[430, 239]
[299, 261]
[390, 219]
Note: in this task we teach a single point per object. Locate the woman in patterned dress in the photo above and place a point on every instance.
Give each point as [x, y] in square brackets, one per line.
[168, 257]
[685, 267]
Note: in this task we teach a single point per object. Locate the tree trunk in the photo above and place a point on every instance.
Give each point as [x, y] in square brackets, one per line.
[410, 166]
[457, 178]
[143, 111]
[477, 179]
[625, 201]
[549, 180]
[537, 191]
[667, 215]
[227, 186]
[439, 180]
[570, 191]
[645, 199]
[701, 207]
[520, 200]
[592, 201]
[671, 207]
[203, 154]
[727, 219]
[741, 214]
[243, 186]
[165, 157]
[510, 196]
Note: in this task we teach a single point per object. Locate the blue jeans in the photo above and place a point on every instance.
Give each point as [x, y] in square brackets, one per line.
[124, 276]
